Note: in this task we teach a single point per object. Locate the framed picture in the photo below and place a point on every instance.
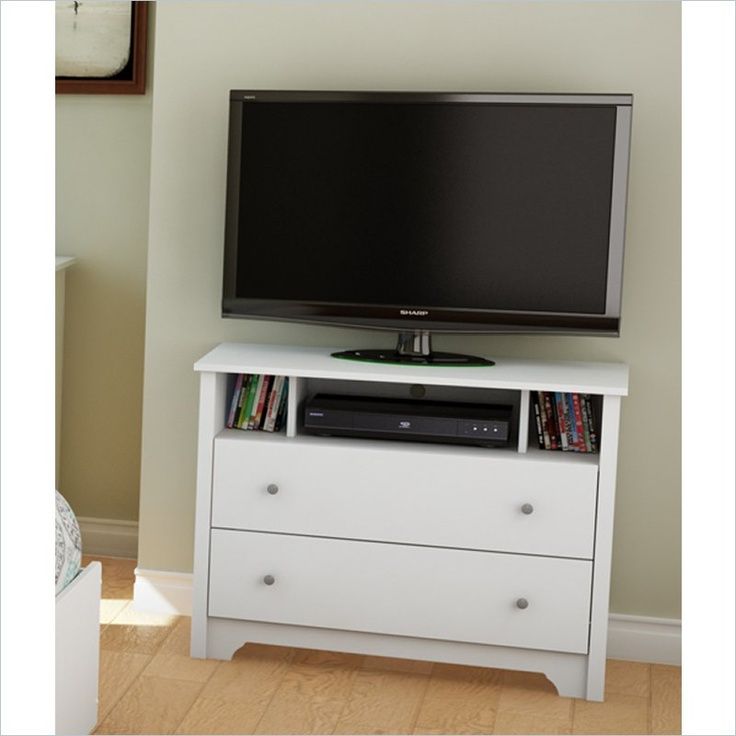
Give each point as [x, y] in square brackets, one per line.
[101, 47]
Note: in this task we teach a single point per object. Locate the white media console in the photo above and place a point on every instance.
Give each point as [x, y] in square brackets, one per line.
[496, 557]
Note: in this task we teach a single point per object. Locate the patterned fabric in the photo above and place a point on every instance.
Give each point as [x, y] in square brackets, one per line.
[68, 544]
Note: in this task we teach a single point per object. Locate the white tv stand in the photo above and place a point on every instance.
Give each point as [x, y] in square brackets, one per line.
[402, 549]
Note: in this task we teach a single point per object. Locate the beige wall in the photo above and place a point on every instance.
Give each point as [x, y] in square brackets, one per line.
[205, 49]
[103, 146]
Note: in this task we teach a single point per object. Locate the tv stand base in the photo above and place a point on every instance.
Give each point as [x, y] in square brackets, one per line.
[413, 348]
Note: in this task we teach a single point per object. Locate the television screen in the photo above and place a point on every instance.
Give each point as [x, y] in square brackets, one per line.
[468, 211]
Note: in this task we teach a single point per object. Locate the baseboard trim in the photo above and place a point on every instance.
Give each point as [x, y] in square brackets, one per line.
[645, 639]
[635, 638]
[159, 591]
[109, 537]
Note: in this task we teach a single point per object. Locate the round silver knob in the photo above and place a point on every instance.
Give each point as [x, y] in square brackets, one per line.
[522, 603]
[527, 509]
[269, 579]
[272, 488]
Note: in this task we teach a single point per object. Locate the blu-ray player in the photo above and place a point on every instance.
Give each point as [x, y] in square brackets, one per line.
[418, 421]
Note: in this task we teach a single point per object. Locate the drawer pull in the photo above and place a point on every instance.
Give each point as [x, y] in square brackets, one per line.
[522, 603]
[527, 509]
[272, 488]
[269, 579]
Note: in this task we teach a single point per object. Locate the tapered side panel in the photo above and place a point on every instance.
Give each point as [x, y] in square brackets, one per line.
[603, 547]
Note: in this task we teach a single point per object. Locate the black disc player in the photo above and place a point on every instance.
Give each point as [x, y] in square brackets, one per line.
[401, 419]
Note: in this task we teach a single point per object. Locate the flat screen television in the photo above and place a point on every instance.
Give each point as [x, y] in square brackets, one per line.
[427, 212]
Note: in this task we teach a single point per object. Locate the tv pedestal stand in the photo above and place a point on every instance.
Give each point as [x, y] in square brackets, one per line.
[414, 348]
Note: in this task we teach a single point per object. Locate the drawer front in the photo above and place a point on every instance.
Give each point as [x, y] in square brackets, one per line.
[474, 499]
[456, 595]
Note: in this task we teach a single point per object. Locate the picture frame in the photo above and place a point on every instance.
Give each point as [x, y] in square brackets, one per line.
[131, 80]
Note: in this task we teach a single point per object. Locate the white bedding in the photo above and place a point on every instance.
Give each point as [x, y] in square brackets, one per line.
[68, 544]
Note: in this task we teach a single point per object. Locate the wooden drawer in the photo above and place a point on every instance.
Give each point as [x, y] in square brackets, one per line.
[417, 494]
[456, 595]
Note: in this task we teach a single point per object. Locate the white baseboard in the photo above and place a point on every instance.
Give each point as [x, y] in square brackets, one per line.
[109, 537]
[635, 638]
[645, 639]
[158, 591]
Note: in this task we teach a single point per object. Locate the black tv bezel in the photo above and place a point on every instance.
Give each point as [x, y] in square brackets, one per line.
[434, 319]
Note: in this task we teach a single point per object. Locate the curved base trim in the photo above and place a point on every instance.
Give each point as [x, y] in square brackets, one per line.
[567, 672]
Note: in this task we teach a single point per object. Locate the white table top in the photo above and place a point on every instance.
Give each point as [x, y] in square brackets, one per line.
[508, 373]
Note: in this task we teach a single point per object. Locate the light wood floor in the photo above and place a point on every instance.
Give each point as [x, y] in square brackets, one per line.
[149, 685]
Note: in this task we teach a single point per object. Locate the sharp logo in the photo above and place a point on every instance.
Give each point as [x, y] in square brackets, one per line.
[413, 312]
[249, 97]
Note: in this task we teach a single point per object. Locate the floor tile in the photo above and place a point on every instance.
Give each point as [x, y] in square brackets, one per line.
[110, 608]
[531, 692]
[627, 678]
[460, 700]
[382, 701]
[132, 631]
[666, 707]
[312, 694]
[618, 714]
[237, 694]
[118, 671]
[172, 657]
[251, 677]
[153, 705]
[508, 722]
[217, 716]
[397, 665]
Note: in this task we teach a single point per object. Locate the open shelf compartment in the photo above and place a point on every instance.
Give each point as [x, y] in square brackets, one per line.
[533, 444]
